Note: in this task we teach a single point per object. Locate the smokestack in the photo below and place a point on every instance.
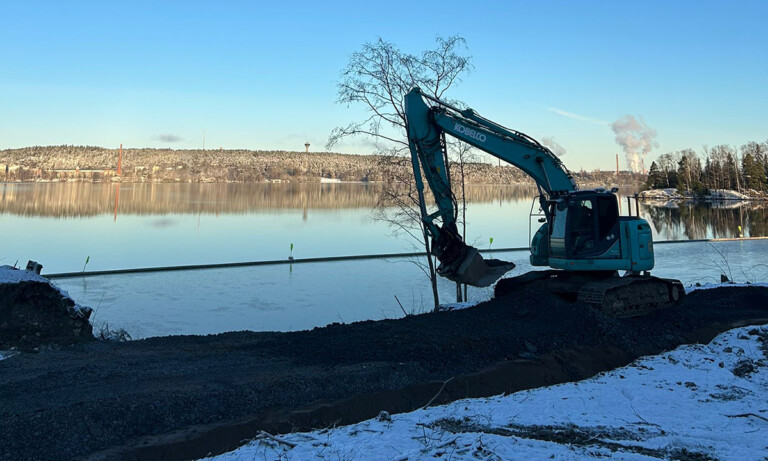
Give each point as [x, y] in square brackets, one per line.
[617, 168]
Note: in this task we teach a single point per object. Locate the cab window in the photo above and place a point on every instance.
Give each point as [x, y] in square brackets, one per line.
[559, 219]
[582, 230]
[608, 216]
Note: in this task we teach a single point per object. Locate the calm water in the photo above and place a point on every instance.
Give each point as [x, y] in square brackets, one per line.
[141, 225]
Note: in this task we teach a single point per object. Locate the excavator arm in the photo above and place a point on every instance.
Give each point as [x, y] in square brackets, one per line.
[427, 126]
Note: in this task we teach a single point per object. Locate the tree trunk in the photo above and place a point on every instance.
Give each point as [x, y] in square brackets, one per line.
[463, 224]
[432, 273]
[433, 280]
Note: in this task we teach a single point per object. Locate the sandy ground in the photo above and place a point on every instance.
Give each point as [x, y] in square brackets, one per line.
[189, 396]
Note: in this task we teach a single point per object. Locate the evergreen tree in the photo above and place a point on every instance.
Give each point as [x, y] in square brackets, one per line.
[656, 178]
[755, 178]
[754, 172]
[764, 159]
[723, 170]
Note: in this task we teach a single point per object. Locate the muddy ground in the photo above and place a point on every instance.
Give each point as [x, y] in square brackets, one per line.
[187, 396]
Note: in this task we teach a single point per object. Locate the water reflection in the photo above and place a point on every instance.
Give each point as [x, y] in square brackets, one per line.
[701, 220]
[670, 220]
[67, 200]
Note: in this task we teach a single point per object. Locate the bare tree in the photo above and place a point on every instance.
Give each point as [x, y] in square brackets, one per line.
[668, 165]
[689, 171]
[377, 78]
[465, 157]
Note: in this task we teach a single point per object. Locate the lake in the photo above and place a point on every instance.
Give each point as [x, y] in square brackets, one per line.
[117, 226]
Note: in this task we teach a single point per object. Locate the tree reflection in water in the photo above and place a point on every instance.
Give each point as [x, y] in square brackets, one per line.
[671, 220]
[66, 200]
[702, 220]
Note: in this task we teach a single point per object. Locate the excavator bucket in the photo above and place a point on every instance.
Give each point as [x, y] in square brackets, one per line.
[470, 268]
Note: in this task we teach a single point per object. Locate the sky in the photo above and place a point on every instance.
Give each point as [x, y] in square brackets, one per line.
[263, 75]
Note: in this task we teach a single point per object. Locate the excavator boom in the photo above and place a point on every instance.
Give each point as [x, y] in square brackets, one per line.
[427, 124]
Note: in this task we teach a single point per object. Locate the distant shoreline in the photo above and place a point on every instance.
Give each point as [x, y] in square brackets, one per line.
[97, 164]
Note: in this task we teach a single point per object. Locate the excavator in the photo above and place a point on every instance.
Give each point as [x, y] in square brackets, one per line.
[582, 238]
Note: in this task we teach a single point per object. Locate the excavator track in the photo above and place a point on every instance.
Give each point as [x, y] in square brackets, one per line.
[620, 297]
[631, 296]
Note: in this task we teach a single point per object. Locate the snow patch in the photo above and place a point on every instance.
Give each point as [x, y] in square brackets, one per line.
[696, 402]
[9, 274]
[725, 194]
[709, 286]
[7, 354]
[457, 306]
[660, 194]
[713, 194]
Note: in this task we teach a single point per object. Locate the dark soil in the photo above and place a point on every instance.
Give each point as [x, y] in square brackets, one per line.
[187, 396]
[36, 315]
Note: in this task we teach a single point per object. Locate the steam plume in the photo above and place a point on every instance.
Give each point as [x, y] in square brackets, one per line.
[556, 148]
[636, 139]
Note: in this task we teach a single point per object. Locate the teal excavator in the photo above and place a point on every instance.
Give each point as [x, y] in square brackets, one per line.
[583, 238]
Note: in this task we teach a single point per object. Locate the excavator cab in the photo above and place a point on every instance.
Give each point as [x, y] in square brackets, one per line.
[584, 225]
[584, 232]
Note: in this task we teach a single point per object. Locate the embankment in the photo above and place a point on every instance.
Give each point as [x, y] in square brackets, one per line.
[187, 396]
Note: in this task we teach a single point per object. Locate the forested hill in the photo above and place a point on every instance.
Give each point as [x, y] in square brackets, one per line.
[89, 163]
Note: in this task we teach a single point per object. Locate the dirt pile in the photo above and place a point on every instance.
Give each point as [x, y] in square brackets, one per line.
[35, 314]
[185, 397]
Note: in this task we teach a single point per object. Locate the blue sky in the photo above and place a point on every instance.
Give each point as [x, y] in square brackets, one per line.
[262, 75]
